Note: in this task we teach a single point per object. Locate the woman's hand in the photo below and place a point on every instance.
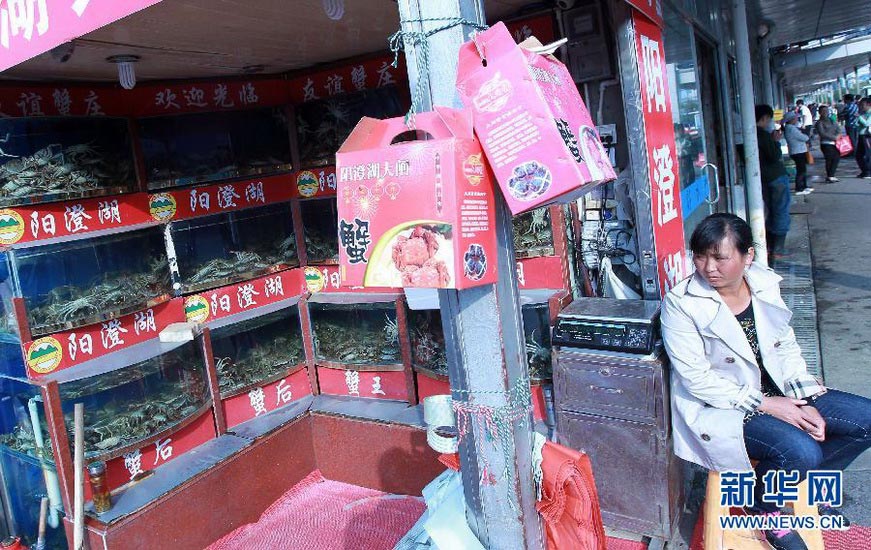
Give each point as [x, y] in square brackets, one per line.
[818, 424]
[786, 409]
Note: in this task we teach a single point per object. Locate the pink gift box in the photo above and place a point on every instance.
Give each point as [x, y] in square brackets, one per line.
[533, 125]
[415, 213]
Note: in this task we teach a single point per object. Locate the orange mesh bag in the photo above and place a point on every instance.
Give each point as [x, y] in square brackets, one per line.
[569, 502]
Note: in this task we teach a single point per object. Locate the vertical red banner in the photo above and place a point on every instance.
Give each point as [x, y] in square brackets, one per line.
[665, 204]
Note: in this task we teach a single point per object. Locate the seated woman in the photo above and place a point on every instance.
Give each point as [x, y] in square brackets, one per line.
[740, 389]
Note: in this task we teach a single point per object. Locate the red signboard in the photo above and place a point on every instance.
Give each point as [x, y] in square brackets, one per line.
[326, 278]
[650, 8]
[236, 298]
[61, 219]
[168, 99]
[143, 101]
[375, 384]
[316, 183]
[31, 27]
[64, 350]
[222, 197]
[174, 98]
[539, 26]
[123, 469]
[266, 398]
[365, 75]
[662, 167]
[541, 272]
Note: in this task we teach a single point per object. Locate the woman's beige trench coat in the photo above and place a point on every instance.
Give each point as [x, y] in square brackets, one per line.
[714, 376]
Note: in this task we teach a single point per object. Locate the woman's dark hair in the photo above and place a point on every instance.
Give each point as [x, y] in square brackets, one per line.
[712, 230]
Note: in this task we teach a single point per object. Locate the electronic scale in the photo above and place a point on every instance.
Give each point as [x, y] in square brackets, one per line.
[629, 326]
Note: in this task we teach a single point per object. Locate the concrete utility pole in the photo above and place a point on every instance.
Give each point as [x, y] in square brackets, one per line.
[767, 93]
[752, 174]
[856, 82]
[482, 326]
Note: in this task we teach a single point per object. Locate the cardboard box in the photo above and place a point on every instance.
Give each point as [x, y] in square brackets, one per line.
[533, 126]
[415, 213]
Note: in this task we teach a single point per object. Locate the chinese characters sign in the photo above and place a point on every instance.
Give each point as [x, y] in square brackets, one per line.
[231, 299]
[659, 132]
[61, 219]
[374, 384]
[266, 398]
[73, 347]
[31, 27]
[223, 197]
[651, 8]
[316, 182]
[123, 469]
[366, 75]
[542, 272]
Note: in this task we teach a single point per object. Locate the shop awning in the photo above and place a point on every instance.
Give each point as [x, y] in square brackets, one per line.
[31, 27]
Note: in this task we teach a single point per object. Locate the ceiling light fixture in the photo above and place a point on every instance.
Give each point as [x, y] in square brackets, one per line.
[253, 69]
[126, 74]
[334, 9]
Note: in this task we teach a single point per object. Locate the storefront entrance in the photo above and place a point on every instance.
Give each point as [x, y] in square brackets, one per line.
[698, 128]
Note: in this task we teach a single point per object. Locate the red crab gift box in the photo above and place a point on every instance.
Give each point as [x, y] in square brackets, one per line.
[533, 125]
[416, 207]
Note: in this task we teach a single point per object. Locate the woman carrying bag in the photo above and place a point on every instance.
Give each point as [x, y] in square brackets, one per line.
[829, 132]
[796, 143]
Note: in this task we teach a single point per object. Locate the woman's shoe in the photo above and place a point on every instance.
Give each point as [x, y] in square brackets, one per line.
[783, 539]
[826, 510]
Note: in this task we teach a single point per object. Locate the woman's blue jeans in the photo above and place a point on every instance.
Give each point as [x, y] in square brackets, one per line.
[778, 445]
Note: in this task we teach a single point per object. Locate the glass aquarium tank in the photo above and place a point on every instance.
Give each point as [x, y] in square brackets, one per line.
[427, 341]
[258, 351]
[194, 148]
[536, 333]
[75, 283]
[356, 334]
[323, 125]
[533, 234]
[320, 220]
[46, 159]
[224, 248]
[27, 464]
[130, 406]
[8, 322]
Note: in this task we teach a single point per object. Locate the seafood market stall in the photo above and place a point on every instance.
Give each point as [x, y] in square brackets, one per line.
[212, 203]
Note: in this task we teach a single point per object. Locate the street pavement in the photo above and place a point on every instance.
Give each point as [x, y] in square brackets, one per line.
[840, 244]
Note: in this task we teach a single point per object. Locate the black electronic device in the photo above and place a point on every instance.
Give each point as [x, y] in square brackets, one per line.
[629, 326]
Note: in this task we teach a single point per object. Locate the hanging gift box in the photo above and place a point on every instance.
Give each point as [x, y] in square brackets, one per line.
[416, 208]
[533, 125]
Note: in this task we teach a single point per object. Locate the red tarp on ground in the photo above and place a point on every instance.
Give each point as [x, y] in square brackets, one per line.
[319, 514]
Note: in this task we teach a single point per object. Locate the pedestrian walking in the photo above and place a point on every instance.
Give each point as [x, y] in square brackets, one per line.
[863, 133]
[740, 389]
[796, 143]
[775, 182]
[806, 118]
[849, 117]
[829, 132]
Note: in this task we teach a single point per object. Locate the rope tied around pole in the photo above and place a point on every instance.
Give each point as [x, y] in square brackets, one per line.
[497, 424]
[419, 40]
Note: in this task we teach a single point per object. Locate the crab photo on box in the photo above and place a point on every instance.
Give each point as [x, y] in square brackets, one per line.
[415, 254]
